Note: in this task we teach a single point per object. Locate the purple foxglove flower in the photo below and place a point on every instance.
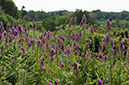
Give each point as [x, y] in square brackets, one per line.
[25, 30]
[90, 60]
[28, 28]
[73, 34]
[49, 83]
[10, 39]
[63, 39]
[84, 19]
[103, 43]
[77, 74]
[107, 67]
[104, 39]
[71, 22]
[100, 82]
[42, 63]
[45, 33]
[53, 58]
[5, 33]
[62, 46]
[79, 47]
[114, 62]
[108, 38]
[22, 49]
[53, 45]
[112, 51]
[30, 44]
[58, 40]
[75, 43]
[112, 43]
[23, 7]
[68, 51]
[90, 41]
[109, 24]
[76, 65]
[123, 47]
[101, 46]
[62, 65]
[43, 69]
[48, 36]
[101, 56]
[92, 31]
[105, 58]
[53, 52]
[20, 29]
[125, 64]
[20, 40]
[80, 34]
[8, 26]
[3, 29]
[86, 45]
[14, 62]
[75, 53]
[6, 40]
[34, 25]
[15, 33]
[56, 83]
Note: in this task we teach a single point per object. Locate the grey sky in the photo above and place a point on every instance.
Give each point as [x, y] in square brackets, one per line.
[72, 5]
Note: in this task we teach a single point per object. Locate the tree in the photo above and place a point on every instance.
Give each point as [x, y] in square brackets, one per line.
[49, 24]
[62, 20]
[79, 14]
[9, 7]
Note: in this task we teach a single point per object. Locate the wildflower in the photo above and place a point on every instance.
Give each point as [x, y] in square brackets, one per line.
[10, 39]
[90, 41]
[109, 24]
[112, 51]
[100, 82]
[43, 69]
[71, 22]
[22, 49]
[120, 39]
[56, 83]
[58, 40]
[80, 34]
[114, 62]
[53, 52]
[20, 29]
[5, 33]
[34, 25]
[20, 40]
[108, 38]
[77, 74]
[101, 46]
[92, 31]
[14, 62]
[125, 64]
[112, 43]
[49, 83]
[23, 7]
[28, 28]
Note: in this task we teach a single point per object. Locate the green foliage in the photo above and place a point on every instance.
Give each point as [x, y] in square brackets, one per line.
[62, 20]
[9, 7]
[79, 14]
[49, 24]
[4, 19]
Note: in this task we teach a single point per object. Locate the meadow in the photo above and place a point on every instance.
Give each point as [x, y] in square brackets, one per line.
[75, 55]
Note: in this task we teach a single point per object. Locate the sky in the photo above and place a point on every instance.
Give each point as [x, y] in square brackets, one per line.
[72, 5]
